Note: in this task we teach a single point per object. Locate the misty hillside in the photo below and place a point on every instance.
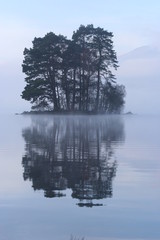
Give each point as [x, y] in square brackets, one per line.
[141, 62]
[139, 71]
[144, 52]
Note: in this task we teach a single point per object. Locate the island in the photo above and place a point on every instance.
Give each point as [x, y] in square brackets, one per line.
[73, 75]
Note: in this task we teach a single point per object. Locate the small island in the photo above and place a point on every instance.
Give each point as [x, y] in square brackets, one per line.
[73, 76]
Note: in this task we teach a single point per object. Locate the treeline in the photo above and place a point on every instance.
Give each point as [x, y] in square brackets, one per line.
[73, 75]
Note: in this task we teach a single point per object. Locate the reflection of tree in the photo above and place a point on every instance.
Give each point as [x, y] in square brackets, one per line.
[72, 152]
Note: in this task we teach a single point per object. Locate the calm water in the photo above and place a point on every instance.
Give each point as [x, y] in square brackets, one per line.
[96, 177]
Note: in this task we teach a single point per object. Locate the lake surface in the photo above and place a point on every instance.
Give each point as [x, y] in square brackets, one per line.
[68, 177]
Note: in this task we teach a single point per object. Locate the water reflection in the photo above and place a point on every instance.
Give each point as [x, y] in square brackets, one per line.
[72, 152]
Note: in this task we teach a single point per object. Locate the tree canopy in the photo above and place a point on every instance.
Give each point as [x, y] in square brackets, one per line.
[73, 75]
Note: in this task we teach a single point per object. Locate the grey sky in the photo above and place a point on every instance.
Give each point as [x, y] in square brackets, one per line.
[134, 24]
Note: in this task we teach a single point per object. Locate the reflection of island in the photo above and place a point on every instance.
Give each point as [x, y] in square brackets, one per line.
[76, 153]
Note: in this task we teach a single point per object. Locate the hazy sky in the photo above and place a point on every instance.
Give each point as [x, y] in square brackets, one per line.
[135, 24]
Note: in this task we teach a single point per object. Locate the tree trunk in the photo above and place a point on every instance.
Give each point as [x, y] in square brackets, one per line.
[98, 90]
[80, 92]
[74, 89]
[66, 90]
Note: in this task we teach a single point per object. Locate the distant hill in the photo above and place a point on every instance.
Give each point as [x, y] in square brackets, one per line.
[139, 71]
[143, 52]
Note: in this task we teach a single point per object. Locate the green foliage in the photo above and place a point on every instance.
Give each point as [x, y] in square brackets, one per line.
[73, 75]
